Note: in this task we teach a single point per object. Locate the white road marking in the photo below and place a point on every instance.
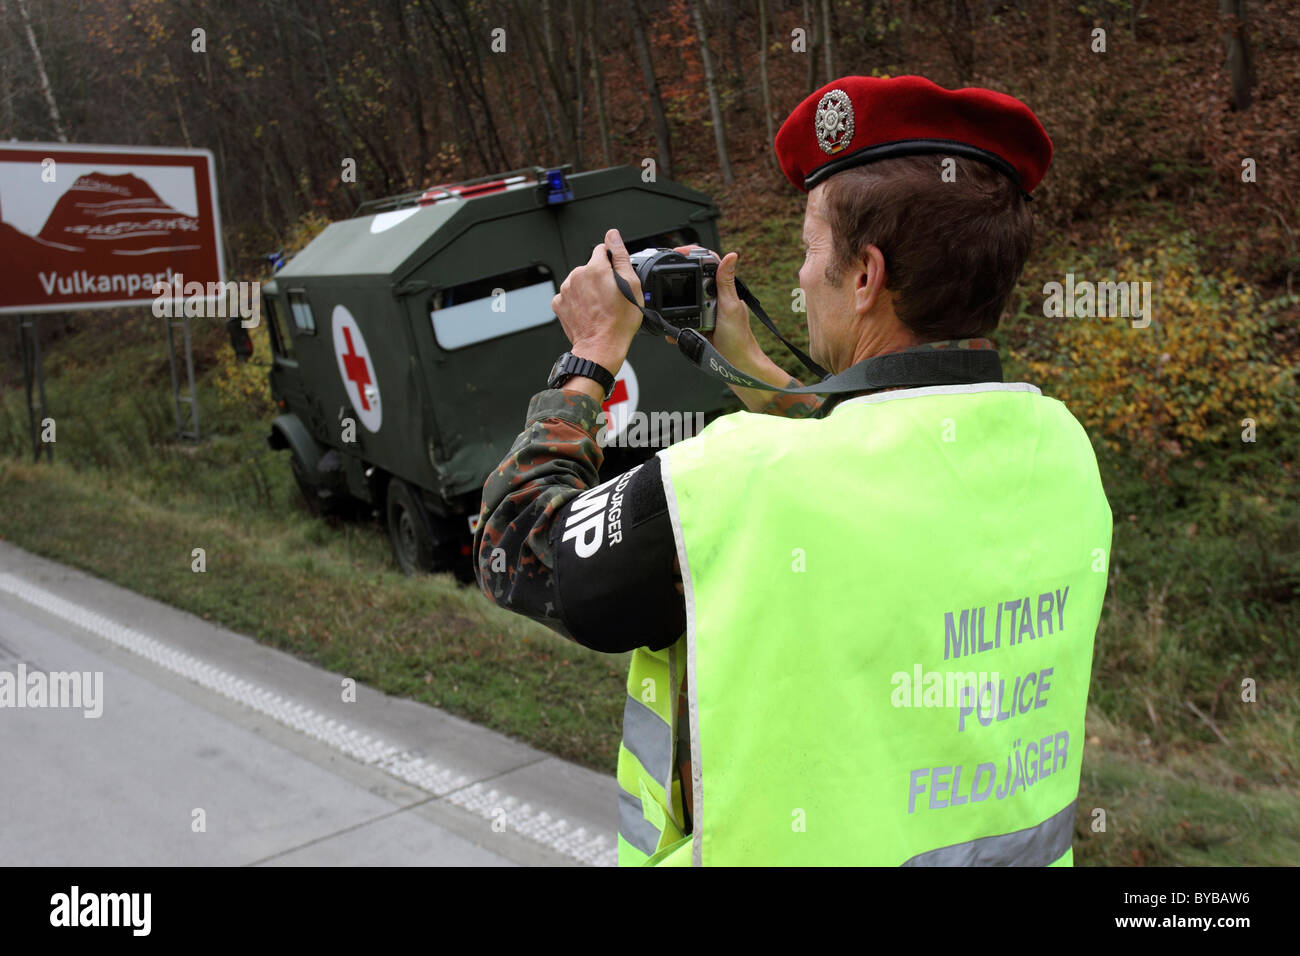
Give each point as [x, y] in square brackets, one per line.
[597, 849]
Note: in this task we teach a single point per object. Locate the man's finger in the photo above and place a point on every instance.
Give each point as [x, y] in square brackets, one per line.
[695, 247]
[727, 274]
[622, 259]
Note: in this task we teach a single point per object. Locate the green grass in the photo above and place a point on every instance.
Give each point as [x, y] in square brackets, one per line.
[1191, 807]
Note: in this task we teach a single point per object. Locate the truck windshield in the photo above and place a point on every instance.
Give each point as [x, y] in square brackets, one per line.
[282, 344]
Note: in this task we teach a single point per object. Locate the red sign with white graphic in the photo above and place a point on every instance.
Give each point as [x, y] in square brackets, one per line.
[356, 369]
[86, 227]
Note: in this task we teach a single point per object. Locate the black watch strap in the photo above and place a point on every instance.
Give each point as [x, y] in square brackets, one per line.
[569, 365]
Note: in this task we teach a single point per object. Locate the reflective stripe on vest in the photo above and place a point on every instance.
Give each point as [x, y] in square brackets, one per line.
[650, 812]
[648, 738]
[865, 685]
[633, 826]
[1039, 845]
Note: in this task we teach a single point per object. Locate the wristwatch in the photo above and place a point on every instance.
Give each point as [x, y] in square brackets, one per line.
[568, 365]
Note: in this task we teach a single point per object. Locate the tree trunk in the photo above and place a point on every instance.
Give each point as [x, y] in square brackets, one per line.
[663, 142]
[810, 48]
[46, 90]
[598, 84]
[827, 46]
[477, 36]
[551, 138]
[959, 32]
[1051, 35]
[762, 79]
[733, 51]
[1135, 11]
[6, 87]
[467, 85]
[410, 79]
[555, 72]
[715, 108]
[1240, 63]
[525, 142]
[547, 33]
[578, 85]
[172, 83]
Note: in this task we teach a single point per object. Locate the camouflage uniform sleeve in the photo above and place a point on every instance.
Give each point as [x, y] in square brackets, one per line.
[555, 458]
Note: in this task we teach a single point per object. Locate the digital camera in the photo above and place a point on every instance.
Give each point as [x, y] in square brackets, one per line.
[681, 288]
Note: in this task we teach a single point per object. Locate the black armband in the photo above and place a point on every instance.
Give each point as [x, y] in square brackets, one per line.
[614, 565]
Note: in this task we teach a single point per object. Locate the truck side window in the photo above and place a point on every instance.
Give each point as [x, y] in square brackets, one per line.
[488, 308]
[279, 340]
[303, 320]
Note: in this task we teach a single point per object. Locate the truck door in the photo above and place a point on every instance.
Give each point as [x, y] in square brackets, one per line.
[286, 378]
[487, 339]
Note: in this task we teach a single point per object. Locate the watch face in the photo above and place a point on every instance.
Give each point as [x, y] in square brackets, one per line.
[555, 369]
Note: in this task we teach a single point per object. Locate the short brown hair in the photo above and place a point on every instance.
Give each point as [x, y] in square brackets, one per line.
[953, 250]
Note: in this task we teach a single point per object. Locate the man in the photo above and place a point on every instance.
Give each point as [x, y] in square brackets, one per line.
[889, 598]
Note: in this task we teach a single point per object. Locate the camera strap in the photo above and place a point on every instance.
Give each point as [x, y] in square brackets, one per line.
[751, 300]
[892, 370]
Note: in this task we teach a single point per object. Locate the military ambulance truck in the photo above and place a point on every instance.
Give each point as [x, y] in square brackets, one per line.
[408, 339]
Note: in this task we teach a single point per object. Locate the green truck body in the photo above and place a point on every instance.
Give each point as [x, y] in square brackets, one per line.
[408, 340]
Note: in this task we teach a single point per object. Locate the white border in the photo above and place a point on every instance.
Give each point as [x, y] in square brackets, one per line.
[137, 150]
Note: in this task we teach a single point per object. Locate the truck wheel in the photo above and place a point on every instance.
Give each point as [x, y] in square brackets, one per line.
[409, 529]
[319, 503]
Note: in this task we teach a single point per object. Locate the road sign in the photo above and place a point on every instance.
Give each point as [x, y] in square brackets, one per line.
[85, 227]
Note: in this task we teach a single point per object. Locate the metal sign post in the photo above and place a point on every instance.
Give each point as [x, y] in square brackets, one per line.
[29, 344]
[186, 406]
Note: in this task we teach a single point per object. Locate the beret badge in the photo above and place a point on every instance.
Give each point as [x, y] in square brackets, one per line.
[833, 122]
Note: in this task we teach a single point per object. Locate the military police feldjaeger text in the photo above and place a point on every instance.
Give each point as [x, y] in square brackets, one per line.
[965, 634]
[1037, 760]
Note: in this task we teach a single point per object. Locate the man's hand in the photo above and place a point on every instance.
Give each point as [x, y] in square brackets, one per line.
[598, 320]
[734, 338]
[732, 335]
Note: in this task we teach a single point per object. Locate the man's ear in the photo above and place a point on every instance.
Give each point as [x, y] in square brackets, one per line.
[871, 281]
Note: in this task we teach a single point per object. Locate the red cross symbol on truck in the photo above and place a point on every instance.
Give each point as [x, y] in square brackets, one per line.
[357, 371]
[615, 397]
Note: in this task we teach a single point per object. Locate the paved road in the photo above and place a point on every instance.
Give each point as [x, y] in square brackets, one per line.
[212, 749]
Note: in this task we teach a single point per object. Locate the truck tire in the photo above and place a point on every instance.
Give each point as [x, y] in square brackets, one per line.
[320, 503]
[409, 529]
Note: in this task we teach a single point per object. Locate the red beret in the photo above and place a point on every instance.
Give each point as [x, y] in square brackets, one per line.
[863, 119]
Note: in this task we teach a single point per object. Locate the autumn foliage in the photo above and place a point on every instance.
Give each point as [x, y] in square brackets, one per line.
[1204, 374]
